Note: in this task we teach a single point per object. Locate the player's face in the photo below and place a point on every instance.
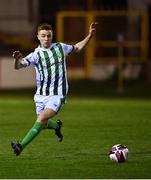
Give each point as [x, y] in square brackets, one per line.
[45, 38]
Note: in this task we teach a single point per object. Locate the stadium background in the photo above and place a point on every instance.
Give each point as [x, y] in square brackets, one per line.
[105, 59]
[109, 95]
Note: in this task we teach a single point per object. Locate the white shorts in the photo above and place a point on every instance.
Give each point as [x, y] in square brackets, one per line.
[52, 102]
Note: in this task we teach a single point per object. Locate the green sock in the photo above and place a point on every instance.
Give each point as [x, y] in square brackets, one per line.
[52, 124]
[32, 133]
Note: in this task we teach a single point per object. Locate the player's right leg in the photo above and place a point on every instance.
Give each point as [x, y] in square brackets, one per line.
[42, 122]
[32, 133]
[16, 147]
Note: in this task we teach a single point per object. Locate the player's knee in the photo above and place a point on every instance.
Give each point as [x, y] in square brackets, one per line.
[42, 120]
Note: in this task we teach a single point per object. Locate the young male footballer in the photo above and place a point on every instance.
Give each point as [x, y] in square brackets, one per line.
[49, 60]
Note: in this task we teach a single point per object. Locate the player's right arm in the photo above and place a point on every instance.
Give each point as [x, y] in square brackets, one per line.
[19, 62]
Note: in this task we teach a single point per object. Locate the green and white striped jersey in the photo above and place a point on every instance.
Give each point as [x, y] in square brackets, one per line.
[50, 65]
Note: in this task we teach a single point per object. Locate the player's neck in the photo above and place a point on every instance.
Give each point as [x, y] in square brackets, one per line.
[45, 47]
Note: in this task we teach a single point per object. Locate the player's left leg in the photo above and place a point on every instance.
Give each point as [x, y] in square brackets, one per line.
[56, 125]
[55, 103]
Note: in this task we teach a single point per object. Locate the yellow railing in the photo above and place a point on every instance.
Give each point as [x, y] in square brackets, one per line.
[68, 21]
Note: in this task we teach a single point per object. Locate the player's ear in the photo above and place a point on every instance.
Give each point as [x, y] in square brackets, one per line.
[37, 36]
[52, 34]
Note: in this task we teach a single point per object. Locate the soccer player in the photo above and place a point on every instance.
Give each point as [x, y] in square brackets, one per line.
[49, 60]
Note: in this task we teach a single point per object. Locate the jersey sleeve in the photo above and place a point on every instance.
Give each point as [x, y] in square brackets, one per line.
[30, 59]
[67, 48]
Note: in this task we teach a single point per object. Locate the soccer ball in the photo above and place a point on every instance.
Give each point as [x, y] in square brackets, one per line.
[119, 153]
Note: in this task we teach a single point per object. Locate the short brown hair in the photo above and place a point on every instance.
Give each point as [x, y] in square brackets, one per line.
[44, 26]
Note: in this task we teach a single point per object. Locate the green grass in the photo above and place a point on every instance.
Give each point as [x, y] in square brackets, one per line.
[91, 127]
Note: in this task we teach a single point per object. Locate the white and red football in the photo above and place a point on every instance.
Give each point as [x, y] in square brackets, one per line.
[119, 153]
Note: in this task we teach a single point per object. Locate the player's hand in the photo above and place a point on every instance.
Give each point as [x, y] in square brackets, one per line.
[92, 28]
[17, 55]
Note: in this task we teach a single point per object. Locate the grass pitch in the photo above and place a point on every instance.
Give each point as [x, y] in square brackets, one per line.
[91, 127]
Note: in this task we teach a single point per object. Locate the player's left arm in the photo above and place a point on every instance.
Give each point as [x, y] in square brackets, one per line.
[80, 45]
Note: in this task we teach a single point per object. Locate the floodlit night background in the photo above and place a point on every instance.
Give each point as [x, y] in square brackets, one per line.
[109, 100]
